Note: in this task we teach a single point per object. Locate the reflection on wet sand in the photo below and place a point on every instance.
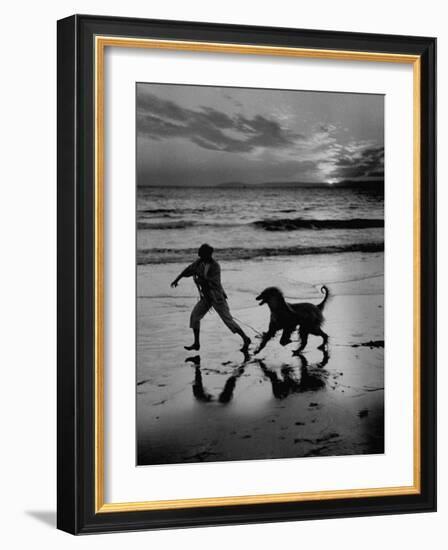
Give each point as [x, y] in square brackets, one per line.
[244, 407]
[309, 377]
[201, 394]
[221, 406]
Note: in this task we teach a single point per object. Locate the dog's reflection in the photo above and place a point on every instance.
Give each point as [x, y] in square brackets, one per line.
[226, 395]
[304, 378]
[308, 377]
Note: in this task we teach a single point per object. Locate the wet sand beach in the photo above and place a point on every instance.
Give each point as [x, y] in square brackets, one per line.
[219, 404]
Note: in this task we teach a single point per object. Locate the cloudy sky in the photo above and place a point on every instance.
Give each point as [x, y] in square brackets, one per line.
[198, 135]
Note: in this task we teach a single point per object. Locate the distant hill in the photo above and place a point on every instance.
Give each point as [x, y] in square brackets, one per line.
[376, 185]
[235, 184]
[269, 184]
[372, 184]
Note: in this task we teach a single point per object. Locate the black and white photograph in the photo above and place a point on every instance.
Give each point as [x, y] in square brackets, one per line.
[260, 273]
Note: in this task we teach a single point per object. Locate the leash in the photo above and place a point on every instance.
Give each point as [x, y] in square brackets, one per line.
[247, 325]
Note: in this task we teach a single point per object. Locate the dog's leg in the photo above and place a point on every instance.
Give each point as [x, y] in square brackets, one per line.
[324, 339]
[272, 331]
[303, 339]
[286, 336]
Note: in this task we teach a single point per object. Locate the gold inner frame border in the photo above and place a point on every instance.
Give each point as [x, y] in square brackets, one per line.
[101, 42]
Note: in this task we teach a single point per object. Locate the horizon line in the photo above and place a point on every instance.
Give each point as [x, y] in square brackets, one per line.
[334, 185]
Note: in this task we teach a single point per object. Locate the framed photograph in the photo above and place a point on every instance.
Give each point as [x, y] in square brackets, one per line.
[246, 274]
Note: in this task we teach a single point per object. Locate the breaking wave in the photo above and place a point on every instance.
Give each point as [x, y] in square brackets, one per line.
[287, 224]
[283, 224]
[172, 255]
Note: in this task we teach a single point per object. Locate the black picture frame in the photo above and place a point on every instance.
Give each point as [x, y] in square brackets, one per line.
[76, 285]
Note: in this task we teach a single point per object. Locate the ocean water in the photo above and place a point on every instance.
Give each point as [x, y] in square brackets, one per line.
[245, 223]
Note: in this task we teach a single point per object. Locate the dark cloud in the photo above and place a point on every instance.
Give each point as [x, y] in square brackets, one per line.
[363, 163]
[209, 173]
[264, 132]
[209, 128]
[326, 128]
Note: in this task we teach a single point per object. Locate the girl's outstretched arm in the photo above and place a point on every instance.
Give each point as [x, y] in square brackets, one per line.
[187, 272]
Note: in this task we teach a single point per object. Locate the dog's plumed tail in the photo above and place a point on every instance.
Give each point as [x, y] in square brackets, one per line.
[325, 291]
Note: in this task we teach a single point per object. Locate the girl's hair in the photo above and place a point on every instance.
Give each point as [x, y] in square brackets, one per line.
[205, 251]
